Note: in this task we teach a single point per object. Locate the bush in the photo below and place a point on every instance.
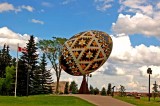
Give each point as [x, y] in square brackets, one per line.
[103, 91]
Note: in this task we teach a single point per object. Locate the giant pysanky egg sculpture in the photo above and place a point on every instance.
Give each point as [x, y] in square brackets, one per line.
[85, 52]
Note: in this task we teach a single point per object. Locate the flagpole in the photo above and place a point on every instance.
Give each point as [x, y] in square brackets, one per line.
[15, 94]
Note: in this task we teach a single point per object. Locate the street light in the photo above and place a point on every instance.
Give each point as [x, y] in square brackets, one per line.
[113, 90]
[88, 75]
[149, 71]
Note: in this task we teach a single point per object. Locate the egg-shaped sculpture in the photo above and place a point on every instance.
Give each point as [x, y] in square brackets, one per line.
[85, 52]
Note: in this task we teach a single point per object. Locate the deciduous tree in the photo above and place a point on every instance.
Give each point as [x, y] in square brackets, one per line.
[52, 48]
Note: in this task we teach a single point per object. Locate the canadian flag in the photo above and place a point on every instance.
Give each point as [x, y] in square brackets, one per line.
[21, 49]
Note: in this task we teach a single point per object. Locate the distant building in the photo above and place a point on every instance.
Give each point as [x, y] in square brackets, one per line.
[61, 86]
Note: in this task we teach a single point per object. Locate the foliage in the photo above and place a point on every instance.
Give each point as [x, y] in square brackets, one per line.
[5, 60]
[9, 81]
[29, 59]
[73, 87]
[45, 78]
[2, 86]
[91, 89]
[103, 91]
[22, 78]
[66, 89]
[122, 90]
[6, 84]
[52, 48]
[109, 90]
[43, 100]
[155, 90]
[96, 91]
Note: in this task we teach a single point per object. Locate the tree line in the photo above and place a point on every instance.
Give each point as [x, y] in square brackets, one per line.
[32, 76]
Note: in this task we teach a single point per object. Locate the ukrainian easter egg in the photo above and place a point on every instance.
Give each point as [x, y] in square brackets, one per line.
[85, 52]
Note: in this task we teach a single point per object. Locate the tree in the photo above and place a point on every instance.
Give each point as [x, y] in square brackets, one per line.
[103, 91]
[2, 86]
[29, 59]
[6, 84]
[9, 81]
[155, 90]
[66, 88]
[45, 78]
[22, 77]
[109, 90]
[73, 87]
[122, 90]
[91, 89]
[52, 48]
[5, 60]
[96, 91]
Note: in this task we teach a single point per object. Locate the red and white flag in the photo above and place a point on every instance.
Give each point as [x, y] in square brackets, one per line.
[21, 49]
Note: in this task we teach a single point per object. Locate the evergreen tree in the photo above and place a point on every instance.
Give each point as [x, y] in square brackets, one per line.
[155, 90]
[96, 91]
[22, 77]
[73, 87]
[109, 90]
[45, 76]
[91, 89]
[5, 60]
[103, 91]
[29, 59]
[66, 88]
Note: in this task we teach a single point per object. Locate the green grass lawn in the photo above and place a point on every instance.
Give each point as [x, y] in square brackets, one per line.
[143, 101]
[43, 100]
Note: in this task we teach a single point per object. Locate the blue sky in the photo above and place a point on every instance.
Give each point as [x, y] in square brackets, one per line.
[133, 25]
[64, 18]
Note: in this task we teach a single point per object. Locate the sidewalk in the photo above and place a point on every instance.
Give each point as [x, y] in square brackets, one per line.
[99, 100]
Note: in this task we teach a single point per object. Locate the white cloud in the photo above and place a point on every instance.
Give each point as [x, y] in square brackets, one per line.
[120, 71]
[158, 5]
[138, 24]
[155, 71]
[28, 8]
[11, 38]
[140, 6]
[4, 7]
[133, 84]
[103, 5]
[65, 2]
[46, 4]
[141, 54]
[127, 66]
[37, 21]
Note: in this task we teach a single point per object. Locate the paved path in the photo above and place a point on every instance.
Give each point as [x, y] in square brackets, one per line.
[99, 100]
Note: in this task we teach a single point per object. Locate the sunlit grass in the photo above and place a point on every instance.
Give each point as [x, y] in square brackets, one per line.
[43, 100]
[143, 101]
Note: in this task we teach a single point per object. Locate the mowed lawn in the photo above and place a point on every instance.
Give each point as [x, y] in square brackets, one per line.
[43, 100]
[143, 101]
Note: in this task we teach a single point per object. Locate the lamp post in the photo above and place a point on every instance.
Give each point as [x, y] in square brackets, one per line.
[149, 71]
[88, 75]
[113, 90]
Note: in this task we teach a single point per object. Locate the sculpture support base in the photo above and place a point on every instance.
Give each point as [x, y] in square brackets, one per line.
[84, 86]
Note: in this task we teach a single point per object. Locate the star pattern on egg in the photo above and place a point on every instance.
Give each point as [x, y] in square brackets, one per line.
[85, 52]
